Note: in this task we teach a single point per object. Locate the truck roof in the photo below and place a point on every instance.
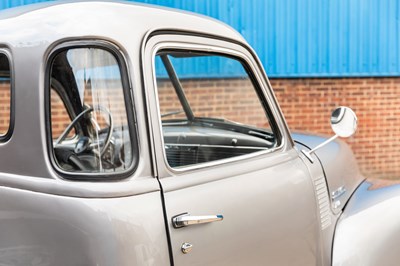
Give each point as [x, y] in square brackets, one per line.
[115, 19]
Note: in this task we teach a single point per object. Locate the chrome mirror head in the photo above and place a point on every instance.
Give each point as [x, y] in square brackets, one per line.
[344, 122]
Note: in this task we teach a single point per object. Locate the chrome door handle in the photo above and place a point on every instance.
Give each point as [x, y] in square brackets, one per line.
[186, 219]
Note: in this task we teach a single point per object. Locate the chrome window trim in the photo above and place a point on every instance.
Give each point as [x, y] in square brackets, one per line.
[216, 146]
[126, 82]
[5, 137]
[253, 67]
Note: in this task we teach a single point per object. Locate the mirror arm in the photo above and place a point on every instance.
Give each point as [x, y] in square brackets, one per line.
[309, 153]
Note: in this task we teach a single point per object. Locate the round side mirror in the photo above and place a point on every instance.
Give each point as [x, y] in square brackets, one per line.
[344, 122]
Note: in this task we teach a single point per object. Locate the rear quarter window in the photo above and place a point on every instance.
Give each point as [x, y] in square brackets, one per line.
[90, 130]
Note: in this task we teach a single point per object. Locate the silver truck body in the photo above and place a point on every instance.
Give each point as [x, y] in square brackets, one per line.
[277, 206]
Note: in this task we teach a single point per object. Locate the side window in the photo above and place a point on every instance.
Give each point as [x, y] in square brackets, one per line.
[210, 108]
[5, 94]
[88, 116]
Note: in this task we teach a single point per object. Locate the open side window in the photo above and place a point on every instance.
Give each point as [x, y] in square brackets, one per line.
[90, 132]
[211, 108]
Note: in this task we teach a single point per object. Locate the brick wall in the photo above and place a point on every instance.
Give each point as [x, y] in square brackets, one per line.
[232, 99]
[60, 118]
[307, 103]
[4, 107]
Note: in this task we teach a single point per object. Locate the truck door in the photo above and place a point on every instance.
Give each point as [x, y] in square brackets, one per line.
[235, 190]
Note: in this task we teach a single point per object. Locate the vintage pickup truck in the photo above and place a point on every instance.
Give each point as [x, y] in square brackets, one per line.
[137, 135]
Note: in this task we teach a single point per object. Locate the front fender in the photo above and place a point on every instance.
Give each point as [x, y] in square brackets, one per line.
[368, 232]
[339, 164]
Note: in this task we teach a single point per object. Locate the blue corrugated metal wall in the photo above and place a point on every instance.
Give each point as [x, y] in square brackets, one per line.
[308, 38]
[13, 3]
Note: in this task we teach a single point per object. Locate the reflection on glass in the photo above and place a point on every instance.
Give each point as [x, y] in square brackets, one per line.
[89, 119]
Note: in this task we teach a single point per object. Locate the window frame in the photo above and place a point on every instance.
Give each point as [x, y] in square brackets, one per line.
[5, 137]
[254, 75]
[115, 51]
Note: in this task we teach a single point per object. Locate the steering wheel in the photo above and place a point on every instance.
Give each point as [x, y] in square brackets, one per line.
[82, 114]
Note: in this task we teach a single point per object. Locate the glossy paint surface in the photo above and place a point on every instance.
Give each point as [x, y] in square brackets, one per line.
[368, 231]
[43, 229]
[339, 164]
[30, 35]
[259, 196]
[254, 230]
[270, 201]
[46, 219]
